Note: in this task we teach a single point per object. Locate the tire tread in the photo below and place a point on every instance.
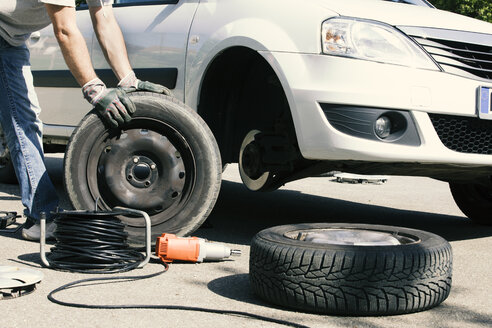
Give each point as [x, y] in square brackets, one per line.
[336, 282]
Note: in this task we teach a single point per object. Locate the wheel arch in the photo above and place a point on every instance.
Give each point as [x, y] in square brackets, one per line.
[224, 96]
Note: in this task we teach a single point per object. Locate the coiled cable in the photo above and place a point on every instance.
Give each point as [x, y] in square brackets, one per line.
[95, 242]
[92, 242]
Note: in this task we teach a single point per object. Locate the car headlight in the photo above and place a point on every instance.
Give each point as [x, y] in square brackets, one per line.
[374, 41]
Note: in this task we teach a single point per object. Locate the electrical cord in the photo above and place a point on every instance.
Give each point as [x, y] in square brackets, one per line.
[95, 242]
[92, 244]
[161, 307]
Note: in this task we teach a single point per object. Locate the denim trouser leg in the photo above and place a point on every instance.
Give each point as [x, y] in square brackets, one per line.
[19, 110]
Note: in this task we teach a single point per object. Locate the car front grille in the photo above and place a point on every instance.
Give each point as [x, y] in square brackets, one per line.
[464, 134]
[461, 53]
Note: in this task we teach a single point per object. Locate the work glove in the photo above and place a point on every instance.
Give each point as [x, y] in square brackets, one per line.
[114, 105]
[130, 83]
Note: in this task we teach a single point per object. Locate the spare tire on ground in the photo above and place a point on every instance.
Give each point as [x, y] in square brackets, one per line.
[165, 162]
[350, 269]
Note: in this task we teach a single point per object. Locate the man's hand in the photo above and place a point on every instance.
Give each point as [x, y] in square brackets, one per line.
[131, 83]
[114, 105]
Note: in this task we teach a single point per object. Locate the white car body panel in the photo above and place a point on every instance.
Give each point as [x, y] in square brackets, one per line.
[162, 43]
[287, 33]
[378, 85]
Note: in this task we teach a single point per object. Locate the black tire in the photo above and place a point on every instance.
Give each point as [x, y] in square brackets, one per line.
[165, 162]
[474, 200]
[347, 279]
[7, 172]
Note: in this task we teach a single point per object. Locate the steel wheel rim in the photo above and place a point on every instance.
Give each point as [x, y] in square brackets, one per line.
[352, 237]
[148, 165]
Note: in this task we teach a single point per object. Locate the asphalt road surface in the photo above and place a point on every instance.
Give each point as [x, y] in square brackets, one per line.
[239, 214]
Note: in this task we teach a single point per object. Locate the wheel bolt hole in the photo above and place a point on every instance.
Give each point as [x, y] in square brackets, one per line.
[147, 183]
[181, 175]
[107, 150]
[174, 194]
[129, 177]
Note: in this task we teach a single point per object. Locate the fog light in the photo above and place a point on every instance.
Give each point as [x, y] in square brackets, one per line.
[382, 127]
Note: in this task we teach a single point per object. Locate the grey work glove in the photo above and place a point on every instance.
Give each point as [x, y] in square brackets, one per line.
[114, 105]
[130, 83]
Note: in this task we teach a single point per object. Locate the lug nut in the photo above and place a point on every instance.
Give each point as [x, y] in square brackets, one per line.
[135, 159]
[152, 166]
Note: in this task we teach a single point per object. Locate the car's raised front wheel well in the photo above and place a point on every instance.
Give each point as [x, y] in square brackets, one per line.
[241, 92]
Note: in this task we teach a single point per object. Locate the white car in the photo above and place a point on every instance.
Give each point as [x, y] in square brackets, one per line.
[292, 89]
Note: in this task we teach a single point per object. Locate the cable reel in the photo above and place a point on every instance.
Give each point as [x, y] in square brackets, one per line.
[93, 242]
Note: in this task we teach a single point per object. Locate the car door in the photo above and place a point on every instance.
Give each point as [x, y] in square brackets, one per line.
[155, 32]
[156, 36]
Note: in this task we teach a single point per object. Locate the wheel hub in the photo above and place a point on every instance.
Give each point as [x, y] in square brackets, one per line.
[251, 169]
[141, 172]
[251, 161]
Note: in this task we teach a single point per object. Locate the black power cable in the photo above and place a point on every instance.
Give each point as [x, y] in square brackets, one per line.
[92, 242]
[159, 307]
[95, 242]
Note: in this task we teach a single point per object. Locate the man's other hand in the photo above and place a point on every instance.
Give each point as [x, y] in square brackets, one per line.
[114, 105]
[131, 83]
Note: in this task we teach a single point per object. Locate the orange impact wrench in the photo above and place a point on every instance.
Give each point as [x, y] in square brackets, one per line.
[169, 247]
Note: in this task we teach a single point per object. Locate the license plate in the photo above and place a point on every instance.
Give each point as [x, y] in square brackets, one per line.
[485, 103]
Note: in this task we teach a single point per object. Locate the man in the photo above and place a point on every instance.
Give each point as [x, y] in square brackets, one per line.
[19, 107]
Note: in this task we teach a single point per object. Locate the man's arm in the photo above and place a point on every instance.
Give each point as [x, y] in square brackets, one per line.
[111, 40]
[71, 42]
[113, 104]
[112, 43]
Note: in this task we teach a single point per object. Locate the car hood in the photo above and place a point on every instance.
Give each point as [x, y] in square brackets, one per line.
[400, 14]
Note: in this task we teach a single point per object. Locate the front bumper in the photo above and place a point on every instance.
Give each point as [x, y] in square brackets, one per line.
[311, 80]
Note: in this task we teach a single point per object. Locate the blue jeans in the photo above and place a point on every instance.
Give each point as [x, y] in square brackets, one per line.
[19, 111]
